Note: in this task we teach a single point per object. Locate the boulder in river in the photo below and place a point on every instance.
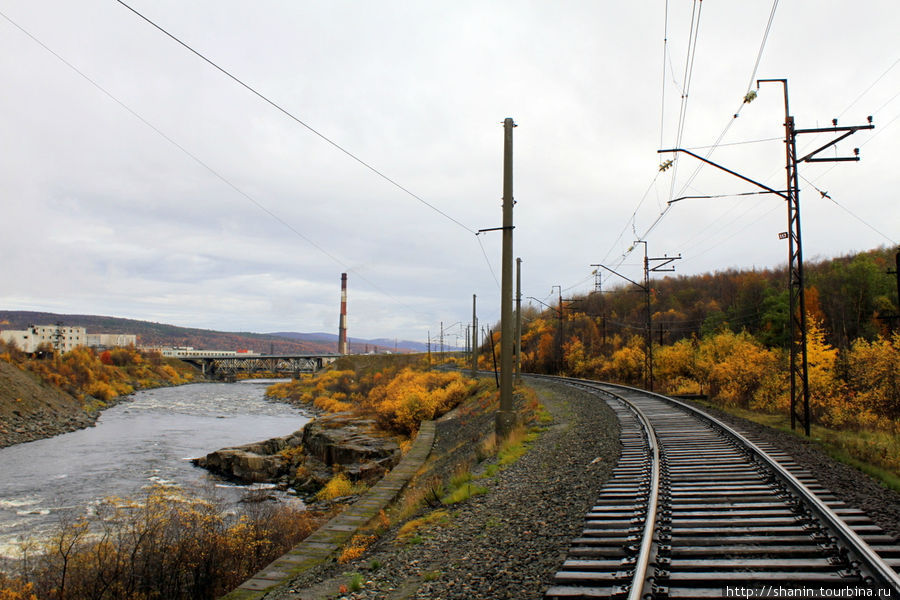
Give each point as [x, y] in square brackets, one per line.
[308, 458]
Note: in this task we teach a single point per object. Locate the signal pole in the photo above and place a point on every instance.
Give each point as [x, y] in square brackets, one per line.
[506, 418]
[474, 339]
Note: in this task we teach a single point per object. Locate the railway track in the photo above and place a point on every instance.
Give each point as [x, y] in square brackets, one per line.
[695, 510]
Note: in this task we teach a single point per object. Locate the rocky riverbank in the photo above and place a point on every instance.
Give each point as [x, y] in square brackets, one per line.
[308, 458]
[31, 409]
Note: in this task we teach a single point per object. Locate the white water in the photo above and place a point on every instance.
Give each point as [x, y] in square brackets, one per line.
[146, 439]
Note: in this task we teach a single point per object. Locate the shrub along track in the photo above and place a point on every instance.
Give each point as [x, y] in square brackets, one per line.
[506, 543]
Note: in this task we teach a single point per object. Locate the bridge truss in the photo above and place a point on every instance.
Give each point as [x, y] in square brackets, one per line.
[229, 367]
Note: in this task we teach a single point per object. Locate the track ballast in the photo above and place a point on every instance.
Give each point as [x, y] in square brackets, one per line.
[695, 510]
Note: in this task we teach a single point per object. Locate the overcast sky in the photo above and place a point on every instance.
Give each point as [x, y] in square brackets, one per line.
[138, 181]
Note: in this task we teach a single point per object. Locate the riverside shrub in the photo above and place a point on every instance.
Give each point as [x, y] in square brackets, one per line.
[83, 373]
[166, 545]
[397, 398]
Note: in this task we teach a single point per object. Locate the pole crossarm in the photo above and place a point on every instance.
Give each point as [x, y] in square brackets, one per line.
[553, 308]
[640, 285]
[726, 169]
[848, 132]
[665, 261]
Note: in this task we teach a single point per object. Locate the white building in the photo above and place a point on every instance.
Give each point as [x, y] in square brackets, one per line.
[59, 337]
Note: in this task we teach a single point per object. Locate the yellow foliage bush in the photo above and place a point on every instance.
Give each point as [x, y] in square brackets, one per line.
[82, 372]
[398, 398]
[359, 543]
[339, 486]
[15, 589]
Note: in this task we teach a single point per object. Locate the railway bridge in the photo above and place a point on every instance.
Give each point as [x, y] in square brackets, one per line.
[228, 366]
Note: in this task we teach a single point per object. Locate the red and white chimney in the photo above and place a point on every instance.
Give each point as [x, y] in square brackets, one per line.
[342, 327]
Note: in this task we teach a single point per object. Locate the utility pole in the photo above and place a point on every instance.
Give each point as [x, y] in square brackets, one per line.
[799, 365]
[506, 418]
[598, 284]
[559, 329]
[896, 272]
[518, 320]
[645, 287]
[474, 339]
[663, 260]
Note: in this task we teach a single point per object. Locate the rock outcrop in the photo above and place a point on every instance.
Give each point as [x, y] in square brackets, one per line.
[308, 458]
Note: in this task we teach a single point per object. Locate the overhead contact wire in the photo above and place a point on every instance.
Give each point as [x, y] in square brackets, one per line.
[296, 119]
[203, 164]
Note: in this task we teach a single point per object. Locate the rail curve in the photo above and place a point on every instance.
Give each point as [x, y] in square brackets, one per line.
[694, 509]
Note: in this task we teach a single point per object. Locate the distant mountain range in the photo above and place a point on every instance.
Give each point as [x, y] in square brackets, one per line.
[160, 334]
[378, 344]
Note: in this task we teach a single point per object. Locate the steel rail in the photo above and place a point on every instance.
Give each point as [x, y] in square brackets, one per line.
[642, 562]
[873, 562]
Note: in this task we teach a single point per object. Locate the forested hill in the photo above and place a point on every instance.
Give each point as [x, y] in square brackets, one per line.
[851, 296]
[160, 334]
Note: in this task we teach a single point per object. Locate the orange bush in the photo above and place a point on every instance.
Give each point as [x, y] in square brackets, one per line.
[398, 398]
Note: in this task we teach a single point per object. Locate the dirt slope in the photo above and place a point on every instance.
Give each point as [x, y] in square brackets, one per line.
[31, 410]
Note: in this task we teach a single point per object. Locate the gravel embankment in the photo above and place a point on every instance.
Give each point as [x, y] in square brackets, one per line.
[507, 543]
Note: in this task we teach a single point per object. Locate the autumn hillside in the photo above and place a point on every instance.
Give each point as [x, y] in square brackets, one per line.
[160, 334]
[41, 397]
[725, 336]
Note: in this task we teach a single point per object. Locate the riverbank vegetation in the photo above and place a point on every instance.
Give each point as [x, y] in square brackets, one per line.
[399, 395]
[725, 337]
[99, 377]
[166, 545]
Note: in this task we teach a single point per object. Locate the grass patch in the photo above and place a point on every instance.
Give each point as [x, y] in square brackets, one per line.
[461, 488]
[463, 493]
[461, 478]
[514, 446]
[410, 529]
[356, 582]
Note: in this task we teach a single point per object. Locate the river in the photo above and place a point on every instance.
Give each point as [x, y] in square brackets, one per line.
[146, 439]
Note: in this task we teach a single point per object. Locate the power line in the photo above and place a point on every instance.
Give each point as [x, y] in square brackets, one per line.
[850, 212]
[296, 119]
[743, 143]
[694, 33]
[205, 165]
[662, 102]
[488, 261]
[746, 99]
[866, 91]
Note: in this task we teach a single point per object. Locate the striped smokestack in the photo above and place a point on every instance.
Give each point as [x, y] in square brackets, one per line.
[342, 327]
